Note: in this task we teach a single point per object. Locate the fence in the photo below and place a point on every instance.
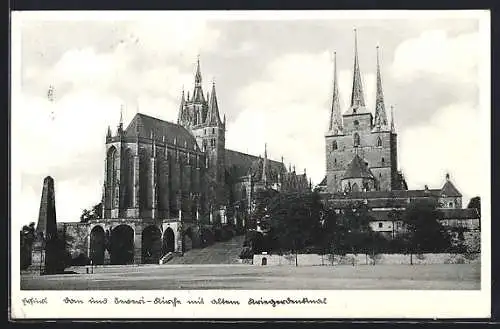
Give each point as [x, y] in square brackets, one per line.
[365, 259]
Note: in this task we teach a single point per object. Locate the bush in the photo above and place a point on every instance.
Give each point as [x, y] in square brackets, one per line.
[80, 260]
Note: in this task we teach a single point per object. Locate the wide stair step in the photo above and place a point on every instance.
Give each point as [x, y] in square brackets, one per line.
[225, 252]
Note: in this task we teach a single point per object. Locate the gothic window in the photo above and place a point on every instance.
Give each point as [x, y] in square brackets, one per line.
[128, 176]
[111, 176]
[356, 140]
[334, 145]
[379, 142]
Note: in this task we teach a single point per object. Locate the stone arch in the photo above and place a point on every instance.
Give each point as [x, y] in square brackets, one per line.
[128, 178]
[122, 245]
[168, 241]
[264, 261]
[356, 139]
[151, 245]
[111, 175]
[97, 245]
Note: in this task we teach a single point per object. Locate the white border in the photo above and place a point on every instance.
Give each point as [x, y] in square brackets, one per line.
[341, 304]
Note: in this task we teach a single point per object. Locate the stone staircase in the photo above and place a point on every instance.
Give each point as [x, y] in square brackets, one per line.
[226, 252]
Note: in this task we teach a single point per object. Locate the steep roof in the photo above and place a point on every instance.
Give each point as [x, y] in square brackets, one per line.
[242, 164]
[144, 126]
[450, 190]
[358, 169]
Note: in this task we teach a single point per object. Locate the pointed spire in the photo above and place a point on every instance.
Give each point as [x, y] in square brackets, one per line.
[264, 165]
[197, 77]
[335, 125]
[180, 118]
[108, 134]
[393, 127]
[357, 96]
[120, 123]
[380, 120]
[213, 117]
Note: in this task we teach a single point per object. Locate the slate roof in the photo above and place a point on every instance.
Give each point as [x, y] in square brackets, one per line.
[242, 164]
[358, 169]
[450, 190]
[143, 125]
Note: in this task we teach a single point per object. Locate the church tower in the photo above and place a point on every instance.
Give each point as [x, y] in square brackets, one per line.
[200, 115]
[360, 147]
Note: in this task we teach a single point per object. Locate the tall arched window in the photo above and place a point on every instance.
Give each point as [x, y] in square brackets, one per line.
[379, 142]
[128, 176]
[111, 176]
[356, 140]
[334, 145]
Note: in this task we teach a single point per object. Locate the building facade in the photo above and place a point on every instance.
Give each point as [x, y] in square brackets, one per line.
[164, 182]
[361, 164]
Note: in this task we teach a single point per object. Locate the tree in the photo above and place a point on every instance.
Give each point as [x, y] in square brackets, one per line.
[294, 220]
[27, 237]
[475, 203]
[92, 214]
[426, 234]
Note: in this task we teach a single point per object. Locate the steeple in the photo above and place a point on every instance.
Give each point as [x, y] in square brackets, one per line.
[357, 96]
[264, 166]
[198, 96]
[213, 117]
[393, 128]
[180, 118]
[380, 121]
[120, 123]
[108, 134]
[335, 125]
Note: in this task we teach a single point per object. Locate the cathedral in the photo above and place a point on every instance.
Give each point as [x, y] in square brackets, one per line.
[164, 182]
[361, 163]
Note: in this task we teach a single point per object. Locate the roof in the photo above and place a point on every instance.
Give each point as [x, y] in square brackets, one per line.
[450, 190]
[144, 126]
[467, 213]
[242, 164]
[323, 182]
[358, 169]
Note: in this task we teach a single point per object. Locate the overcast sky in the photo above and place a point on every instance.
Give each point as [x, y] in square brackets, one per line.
[273, 79]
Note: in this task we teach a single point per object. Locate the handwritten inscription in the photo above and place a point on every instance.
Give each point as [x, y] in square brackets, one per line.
[174, 301]
[34, 301]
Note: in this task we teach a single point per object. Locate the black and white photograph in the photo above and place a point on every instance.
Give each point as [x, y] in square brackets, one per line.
[275, 164]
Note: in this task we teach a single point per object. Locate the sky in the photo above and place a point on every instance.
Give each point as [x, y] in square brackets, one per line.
[274, 84]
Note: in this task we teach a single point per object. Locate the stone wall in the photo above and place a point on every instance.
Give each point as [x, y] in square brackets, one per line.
[363, 259]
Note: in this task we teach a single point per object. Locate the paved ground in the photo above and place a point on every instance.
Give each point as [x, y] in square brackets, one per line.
[226, 252]
[169, 277]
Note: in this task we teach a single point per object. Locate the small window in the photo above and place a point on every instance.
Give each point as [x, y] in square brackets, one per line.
[356, 140]
[334, 145]
[383, 160]
[379, 142]
[335, 161]
[213, 130]
[451, 204]
[380, 225]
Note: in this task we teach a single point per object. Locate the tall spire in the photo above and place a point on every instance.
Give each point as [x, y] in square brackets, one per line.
[120, 123]
[198, 96]
[393, 128]
[197, 78]
[335, 125]
[180, 118]
[264, 165]
[357, 96]
[213, 117]
[380, 120]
